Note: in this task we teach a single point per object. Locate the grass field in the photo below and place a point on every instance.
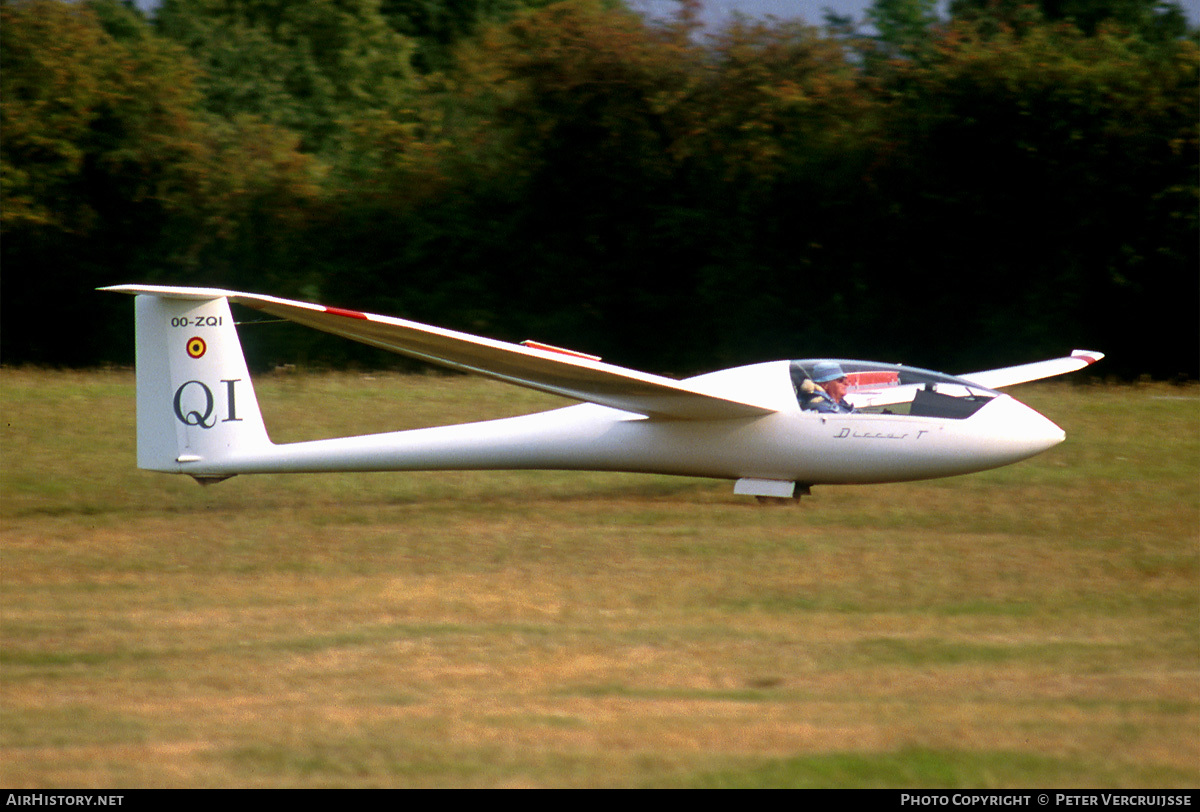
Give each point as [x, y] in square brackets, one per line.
[1038, 625]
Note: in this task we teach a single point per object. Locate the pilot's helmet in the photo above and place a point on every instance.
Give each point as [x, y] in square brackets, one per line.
[827, 371]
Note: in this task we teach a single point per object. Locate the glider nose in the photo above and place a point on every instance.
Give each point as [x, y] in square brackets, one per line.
[1041, 433]
[1025, 431]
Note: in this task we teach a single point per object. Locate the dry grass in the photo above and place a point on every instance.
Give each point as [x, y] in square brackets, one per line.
[1037, 625]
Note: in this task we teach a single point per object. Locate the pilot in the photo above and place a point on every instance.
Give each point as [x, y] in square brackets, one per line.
[832, 380]
[813, 398]
[816, 399]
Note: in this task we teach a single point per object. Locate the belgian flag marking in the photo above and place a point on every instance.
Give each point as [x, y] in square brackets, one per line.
[196, 346]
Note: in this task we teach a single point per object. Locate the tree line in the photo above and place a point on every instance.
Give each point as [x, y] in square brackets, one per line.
[1010, 181]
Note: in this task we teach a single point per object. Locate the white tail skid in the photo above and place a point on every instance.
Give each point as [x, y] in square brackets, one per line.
[195, 402]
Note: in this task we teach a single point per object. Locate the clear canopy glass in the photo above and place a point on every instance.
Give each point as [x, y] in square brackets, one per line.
[842, 386]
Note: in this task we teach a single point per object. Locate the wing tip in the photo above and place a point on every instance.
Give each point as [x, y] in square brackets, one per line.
[1088, 356]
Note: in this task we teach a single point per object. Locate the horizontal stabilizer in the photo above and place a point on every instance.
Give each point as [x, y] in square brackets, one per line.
[572, 375]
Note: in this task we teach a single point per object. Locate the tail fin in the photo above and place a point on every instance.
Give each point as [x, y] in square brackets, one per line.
[196, 408]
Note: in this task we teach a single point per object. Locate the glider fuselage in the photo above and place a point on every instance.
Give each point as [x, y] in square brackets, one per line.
[790, 444]
[770, 426]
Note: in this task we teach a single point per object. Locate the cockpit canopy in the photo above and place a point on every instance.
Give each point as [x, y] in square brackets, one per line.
[872, 387]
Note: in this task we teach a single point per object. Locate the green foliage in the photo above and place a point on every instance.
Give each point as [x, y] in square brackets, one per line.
[309, 67]
[89, 121]
[1152, 20]
[904, 25]
[1051, 165]
[101, 149]
[1017, 180]
[112, 171]
[438, 26]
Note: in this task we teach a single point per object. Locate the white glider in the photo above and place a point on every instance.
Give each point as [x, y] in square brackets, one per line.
[769, 426]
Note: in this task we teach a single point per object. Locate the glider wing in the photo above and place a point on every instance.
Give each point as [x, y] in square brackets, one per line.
[541, 367]
[1010, 376]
